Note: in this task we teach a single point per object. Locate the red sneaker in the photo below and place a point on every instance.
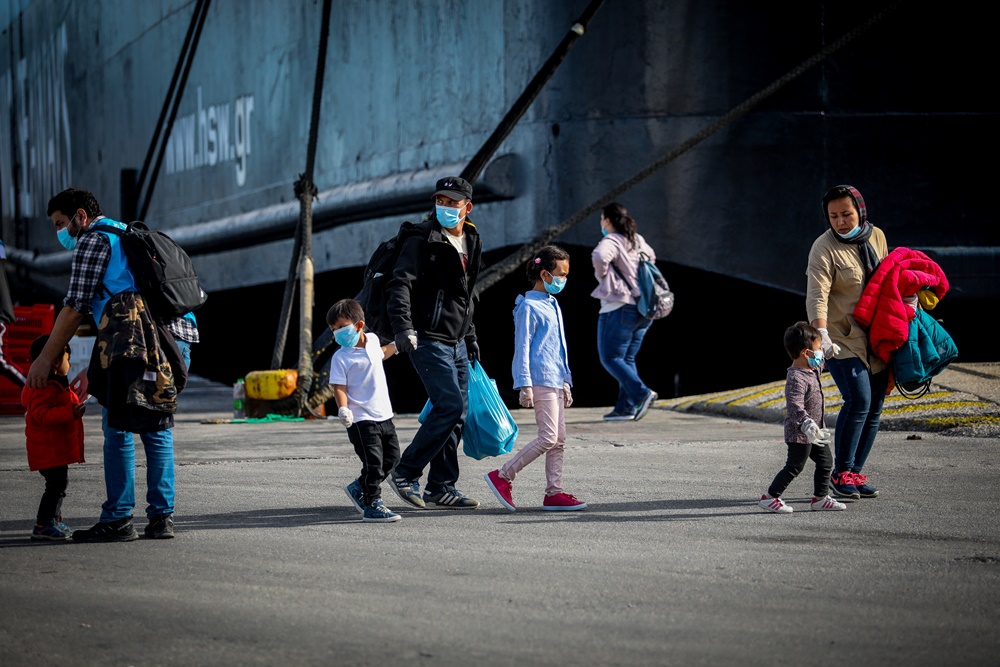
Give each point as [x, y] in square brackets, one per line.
[501, 489]
[562, 502]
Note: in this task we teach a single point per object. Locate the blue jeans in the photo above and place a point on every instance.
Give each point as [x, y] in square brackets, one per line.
[444, 370]
[857, 423]
[619, 337]
[119, 472]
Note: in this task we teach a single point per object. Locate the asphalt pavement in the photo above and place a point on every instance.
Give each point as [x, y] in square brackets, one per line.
[671, 563]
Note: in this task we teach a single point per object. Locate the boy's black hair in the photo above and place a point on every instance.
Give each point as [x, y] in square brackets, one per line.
[798, 337]
[70, 199]
[38, 344]
[349, 309]
[545, 260]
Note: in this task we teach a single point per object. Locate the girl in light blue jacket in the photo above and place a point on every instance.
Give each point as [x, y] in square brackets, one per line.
[541, 372]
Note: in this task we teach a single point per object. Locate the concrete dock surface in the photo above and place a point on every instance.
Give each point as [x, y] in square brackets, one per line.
[672, 562]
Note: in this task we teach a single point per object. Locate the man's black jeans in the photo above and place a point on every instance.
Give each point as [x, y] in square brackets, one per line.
[444, 370]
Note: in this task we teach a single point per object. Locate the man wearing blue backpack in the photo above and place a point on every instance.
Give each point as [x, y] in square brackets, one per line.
[136, 386]
[430, 309]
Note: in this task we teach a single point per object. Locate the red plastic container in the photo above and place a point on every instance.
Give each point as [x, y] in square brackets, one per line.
[31, 322]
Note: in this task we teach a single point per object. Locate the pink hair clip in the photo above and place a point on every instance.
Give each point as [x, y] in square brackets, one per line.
[538, 260]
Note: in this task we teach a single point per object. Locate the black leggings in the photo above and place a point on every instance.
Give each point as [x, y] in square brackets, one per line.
[55, 490]
[798, 454]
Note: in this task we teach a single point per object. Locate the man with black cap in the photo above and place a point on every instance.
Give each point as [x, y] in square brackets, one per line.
[429, 300]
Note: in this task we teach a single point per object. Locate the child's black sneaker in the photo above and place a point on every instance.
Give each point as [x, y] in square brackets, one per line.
[63, 527]
[50, 531]
[161, 527]
[377, 512]
[119, 530]
[357, 496]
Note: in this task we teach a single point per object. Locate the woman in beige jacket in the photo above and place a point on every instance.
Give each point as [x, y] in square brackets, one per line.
[841, 261]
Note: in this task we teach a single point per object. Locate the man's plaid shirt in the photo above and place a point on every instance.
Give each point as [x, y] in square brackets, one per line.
[90, 261]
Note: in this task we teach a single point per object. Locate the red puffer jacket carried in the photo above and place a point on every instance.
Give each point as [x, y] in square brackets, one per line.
[903, 273]
[54, 435]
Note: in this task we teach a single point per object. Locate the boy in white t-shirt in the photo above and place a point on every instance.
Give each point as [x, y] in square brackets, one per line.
[363, 406]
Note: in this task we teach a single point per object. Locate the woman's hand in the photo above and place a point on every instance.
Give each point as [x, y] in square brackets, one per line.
[568, 393]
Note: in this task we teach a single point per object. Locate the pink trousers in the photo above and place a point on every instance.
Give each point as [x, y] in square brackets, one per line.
[550, 416]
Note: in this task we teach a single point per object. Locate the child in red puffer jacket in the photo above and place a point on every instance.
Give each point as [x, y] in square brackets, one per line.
[54, 430]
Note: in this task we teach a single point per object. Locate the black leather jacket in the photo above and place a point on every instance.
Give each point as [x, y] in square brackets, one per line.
[429, 291]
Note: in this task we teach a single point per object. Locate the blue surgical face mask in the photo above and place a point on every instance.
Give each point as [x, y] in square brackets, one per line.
[851, 234]
[347, 336]
[556, 286]
[65, 239]
[816, 360]
[448, 217]
[604, 232]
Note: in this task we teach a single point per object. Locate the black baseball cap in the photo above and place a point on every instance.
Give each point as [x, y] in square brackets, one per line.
[453, 187]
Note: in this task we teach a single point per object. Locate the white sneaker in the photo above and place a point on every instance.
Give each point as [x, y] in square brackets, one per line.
[776, 505]
[826, 504]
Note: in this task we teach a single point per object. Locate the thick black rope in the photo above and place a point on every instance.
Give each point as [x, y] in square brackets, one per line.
[519, 257]
[143, 208]
[304, 185]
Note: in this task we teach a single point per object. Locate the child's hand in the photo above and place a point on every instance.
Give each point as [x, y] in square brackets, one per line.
[569, 394]
[345, 416]
[525, 398]
[78, 410]
[814, 434]
[79, 385]
[830, 349]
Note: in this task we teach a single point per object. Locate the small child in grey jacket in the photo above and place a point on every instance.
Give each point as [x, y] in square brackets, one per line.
[804, 433]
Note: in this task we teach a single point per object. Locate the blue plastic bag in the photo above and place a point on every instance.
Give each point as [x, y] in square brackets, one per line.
[426, 411]
[489, 428]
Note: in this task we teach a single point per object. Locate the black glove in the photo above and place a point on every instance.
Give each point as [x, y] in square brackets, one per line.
[406, 340]
[472, 348]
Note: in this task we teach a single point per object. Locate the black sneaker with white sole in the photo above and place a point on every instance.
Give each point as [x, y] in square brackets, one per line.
[161, 527]
[645, 405]
[408, 492]
[452, 498]
[119, 530]
[618, 417]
